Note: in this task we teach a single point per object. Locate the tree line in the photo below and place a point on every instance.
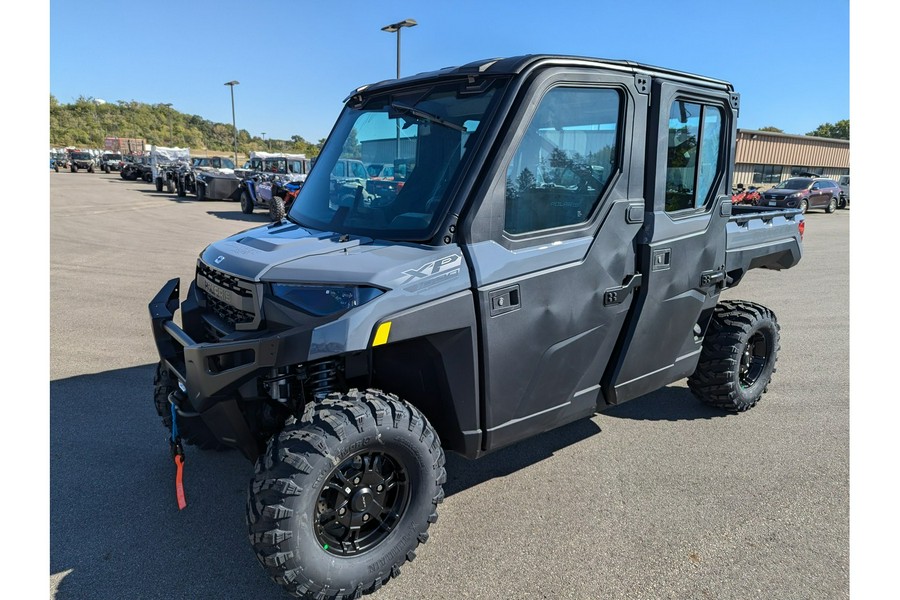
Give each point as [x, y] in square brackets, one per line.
[85, 123]
[835, 131]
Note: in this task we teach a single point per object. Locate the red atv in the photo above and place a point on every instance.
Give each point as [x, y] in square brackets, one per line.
[750, 196]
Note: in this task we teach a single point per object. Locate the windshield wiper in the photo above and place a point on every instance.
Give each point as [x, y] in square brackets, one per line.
[417, 112]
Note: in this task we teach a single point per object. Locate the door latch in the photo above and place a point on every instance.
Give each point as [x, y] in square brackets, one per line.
[618, 295]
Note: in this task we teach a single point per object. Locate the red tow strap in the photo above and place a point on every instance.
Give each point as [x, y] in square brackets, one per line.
[179, 485]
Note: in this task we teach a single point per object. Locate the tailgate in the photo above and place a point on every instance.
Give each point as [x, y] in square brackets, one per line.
[760, 237]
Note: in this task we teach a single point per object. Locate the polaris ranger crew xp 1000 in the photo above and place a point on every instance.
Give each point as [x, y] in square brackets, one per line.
[562, 234]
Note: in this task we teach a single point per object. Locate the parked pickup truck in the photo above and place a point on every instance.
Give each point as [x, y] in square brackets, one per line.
[559, 246]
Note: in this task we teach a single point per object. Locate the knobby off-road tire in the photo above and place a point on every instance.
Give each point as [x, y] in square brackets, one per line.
[201, 192]
[738, 356]
[369, 454]
[246, 203]
[276, 209]
[159, 184]
[170, 186]
[192, 431]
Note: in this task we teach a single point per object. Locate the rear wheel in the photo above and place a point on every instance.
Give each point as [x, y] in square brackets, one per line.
[832, 205]
[159, 184]
[246, 203]
[179, 188]
[842, 203]
[738, 356]
[343, 496]
[170, 186]
[276, 209]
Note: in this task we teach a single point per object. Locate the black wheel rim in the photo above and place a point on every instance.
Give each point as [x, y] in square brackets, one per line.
[362, 502]
[753, 360]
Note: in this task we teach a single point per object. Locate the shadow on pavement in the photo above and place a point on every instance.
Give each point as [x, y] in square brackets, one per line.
[238, 215]
[116, 531]
[115, 528]
[667, 404]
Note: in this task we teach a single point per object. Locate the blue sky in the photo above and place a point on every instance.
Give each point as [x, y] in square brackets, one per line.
[296, 61]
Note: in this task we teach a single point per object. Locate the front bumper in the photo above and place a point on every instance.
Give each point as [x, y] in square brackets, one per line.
[214, 372]
[781, 202]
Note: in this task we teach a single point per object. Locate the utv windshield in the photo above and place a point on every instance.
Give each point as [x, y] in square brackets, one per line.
[424, 134]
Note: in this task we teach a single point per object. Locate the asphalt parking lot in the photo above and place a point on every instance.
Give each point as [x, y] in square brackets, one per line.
[660, 498]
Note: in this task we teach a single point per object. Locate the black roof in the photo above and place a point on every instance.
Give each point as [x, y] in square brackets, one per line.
[519, 64]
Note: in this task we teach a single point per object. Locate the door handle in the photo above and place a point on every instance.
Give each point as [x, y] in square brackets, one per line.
[504, 300]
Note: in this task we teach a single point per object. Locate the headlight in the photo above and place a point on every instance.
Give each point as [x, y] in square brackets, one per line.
[321, 300]
[797, 195]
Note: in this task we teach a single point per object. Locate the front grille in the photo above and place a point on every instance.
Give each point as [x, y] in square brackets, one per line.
[228, 297]
[228, 313]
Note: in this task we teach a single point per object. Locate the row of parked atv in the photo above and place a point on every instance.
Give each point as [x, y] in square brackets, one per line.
[268, 181]
[750, 195]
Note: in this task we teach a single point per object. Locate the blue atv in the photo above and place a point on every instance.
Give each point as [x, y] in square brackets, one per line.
[267, 191]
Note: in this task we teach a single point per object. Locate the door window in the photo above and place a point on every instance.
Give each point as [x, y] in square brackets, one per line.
[695, 138]
[564, 161]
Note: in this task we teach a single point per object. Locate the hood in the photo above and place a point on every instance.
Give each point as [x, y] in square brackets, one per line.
[781, 193]
[287, 252]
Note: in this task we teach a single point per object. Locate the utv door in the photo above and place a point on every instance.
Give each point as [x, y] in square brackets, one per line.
[682, 244]
[551, 248]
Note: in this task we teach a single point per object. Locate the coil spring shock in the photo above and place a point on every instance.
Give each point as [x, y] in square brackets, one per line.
[321, 378]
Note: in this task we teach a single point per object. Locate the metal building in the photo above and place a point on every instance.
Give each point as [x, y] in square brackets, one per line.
[764, 158]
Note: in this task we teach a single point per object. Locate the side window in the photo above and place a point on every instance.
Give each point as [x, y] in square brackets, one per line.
[358, 170]
[695, 134]
[564, 161]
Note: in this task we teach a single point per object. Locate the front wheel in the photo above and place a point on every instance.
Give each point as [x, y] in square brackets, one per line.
[201, 192]
[832, 205]
[159, 184]
[738, 356]
[170, 186]
[356, 483]
[179, 189]
[804, 205]
[246, 203]
[192, 430]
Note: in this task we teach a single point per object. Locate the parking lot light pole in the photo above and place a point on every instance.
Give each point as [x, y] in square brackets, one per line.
[395, 28]
[231, 84]
[264, 141]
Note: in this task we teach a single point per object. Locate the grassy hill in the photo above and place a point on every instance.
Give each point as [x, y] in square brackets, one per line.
[85, 123]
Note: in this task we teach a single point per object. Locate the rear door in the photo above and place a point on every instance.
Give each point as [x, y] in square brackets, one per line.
[552, 250]
[690, 151]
